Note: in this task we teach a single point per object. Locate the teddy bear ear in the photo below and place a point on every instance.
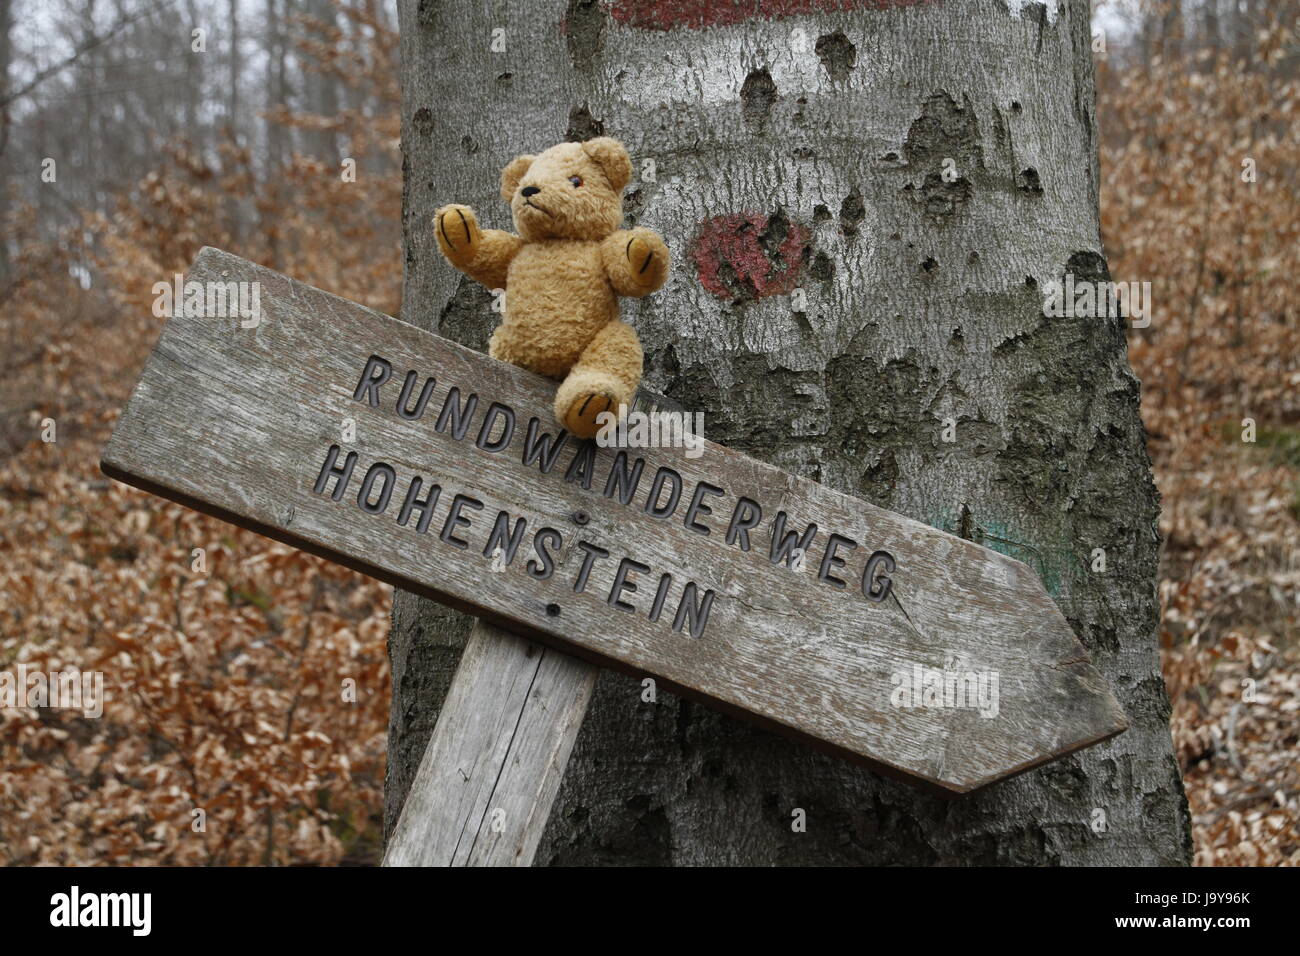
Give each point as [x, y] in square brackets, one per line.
[511, 175]
[612, 158]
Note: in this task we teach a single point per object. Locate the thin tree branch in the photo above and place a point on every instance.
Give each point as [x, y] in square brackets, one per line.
[82, 48]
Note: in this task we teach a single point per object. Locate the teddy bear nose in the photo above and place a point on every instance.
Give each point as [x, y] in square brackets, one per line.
[529, 191]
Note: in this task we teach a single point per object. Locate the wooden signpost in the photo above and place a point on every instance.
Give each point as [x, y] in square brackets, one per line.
[391, 450]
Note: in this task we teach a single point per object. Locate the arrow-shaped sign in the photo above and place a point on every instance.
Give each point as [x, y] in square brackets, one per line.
[347, 433]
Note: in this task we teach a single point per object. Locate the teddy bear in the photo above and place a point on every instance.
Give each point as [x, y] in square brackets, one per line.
[563, 273]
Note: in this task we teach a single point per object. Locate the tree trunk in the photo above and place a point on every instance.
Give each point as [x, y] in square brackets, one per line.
[803, 158]
[323, 90]
[1171, 29]
[1210, 20]
[6, 57]
[276, 44]
[232, 94]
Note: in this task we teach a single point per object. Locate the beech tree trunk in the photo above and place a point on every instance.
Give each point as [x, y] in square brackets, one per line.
[863, 206]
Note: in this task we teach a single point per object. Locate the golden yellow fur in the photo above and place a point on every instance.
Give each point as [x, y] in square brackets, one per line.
[563, 274]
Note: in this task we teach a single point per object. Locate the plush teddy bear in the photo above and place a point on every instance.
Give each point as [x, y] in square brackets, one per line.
[563, 274]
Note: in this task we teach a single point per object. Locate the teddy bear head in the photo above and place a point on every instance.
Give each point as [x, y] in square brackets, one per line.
[571, 191]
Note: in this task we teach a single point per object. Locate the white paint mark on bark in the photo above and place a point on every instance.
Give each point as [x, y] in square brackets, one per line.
[1018, 7]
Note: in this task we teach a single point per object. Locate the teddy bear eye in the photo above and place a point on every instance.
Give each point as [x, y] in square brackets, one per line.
[576, 180]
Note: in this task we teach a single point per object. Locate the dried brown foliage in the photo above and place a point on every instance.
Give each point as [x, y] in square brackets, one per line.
[225, 687]
[1222, 254]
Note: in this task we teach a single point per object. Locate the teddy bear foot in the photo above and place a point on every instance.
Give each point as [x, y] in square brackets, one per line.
[584, 397]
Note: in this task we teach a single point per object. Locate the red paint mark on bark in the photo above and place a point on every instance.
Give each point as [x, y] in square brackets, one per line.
[697, 14]
[749, 255]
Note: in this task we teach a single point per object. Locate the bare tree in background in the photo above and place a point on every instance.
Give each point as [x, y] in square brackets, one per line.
[232, 90]
[324, 99]
[6, 61]
[105, 87]
[277, 52]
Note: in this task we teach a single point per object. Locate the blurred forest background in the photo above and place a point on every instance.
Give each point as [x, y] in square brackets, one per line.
[224, 681]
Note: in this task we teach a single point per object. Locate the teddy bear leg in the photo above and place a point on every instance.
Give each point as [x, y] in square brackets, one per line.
[605, 377]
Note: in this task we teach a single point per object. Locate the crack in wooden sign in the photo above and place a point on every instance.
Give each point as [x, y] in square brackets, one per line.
[349, 434]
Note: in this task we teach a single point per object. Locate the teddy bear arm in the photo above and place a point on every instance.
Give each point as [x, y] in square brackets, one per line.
[636, 261]
[489, 266]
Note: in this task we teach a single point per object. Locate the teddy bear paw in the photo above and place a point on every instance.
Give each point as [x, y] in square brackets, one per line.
[647, 258]
[580, 418]
[458, 231]
[584, 397]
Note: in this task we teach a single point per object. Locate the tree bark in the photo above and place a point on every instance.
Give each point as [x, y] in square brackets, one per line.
[803, 158]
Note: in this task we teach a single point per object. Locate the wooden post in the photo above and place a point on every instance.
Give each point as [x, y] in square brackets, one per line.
[484, 789]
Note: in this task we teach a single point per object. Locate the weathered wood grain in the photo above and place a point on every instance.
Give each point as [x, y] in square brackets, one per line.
[238, 422]
[489, 776]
